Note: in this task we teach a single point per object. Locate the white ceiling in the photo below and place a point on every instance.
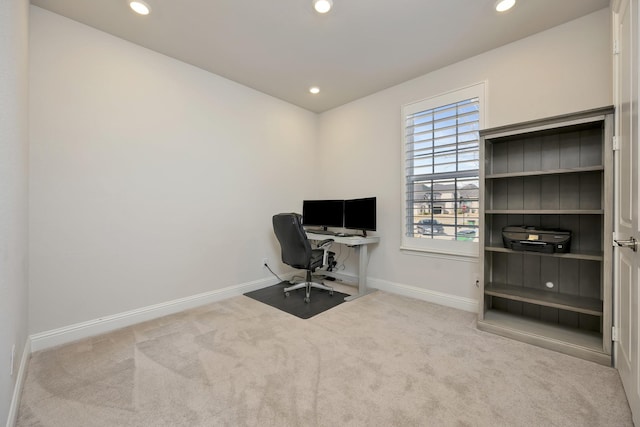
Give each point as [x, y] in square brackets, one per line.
[282, 47]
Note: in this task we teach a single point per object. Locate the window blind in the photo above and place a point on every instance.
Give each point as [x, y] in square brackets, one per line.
[441, 171]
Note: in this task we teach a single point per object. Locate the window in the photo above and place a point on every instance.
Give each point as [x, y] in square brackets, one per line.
[441, 166]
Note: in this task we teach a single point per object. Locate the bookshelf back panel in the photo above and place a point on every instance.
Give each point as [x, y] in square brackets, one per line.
[581, 191]
[575, 147]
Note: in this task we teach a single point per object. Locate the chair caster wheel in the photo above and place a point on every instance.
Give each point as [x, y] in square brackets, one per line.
[307, 300]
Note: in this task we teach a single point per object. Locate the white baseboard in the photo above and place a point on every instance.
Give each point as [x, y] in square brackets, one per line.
[67, 334]
[448, 300]
[12, 418]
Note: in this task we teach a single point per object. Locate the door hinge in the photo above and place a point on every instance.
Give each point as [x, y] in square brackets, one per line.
[614, 334]
[616, 143]
[616, 47]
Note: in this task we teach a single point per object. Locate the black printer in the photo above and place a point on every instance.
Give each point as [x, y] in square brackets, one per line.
[530, 238]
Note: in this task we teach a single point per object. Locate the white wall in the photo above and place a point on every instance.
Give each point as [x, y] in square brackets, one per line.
[13, 192]
[562, 70]
[151, 180]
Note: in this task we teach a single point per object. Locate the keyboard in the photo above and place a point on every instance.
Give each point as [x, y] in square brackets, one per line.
[331, 233]
[323, 232]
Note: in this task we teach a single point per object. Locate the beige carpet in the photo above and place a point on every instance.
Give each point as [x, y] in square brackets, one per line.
[381, 360]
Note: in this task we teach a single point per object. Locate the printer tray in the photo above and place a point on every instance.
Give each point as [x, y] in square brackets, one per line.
[529, 238]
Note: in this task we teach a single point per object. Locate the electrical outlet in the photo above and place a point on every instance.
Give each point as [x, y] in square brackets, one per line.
[265, 262]
[13, 357]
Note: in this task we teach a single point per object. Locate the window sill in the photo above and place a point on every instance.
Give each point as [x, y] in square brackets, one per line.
[440, 254]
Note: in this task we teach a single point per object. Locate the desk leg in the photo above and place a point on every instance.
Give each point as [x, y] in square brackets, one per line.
[362, 273]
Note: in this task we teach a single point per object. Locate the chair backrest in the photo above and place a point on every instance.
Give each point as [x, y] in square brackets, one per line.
[294, 245]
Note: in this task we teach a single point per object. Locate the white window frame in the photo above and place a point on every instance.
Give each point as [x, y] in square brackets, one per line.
[435, 246]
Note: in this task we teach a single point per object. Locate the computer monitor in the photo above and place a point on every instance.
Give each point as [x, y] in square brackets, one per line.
[323, 213]
[360, 214]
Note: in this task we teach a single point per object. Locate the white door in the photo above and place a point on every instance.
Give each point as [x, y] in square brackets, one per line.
[626, 259]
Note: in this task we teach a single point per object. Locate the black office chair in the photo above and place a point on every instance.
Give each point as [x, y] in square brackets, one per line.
[297, 252]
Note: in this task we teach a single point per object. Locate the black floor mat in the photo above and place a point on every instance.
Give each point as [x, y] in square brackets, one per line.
[294, 304]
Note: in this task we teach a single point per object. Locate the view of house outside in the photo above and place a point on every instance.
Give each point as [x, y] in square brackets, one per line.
[446, 209]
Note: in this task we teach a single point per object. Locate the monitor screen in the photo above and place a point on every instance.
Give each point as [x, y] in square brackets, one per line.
[323, 213]
[360, 214]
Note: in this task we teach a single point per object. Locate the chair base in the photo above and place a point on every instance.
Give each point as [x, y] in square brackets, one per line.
[308, 284]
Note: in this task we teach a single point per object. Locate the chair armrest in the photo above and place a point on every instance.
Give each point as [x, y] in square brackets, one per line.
[325, 244]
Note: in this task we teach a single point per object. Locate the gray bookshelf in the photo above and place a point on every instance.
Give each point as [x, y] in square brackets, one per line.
[554, 173]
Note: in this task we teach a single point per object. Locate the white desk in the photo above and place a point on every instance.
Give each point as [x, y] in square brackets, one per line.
[360, 244]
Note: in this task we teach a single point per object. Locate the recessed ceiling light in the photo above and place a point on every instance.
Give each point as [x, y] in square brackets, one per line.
[314, 90]
[504, 5]
[322, 6]
[140, 7]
